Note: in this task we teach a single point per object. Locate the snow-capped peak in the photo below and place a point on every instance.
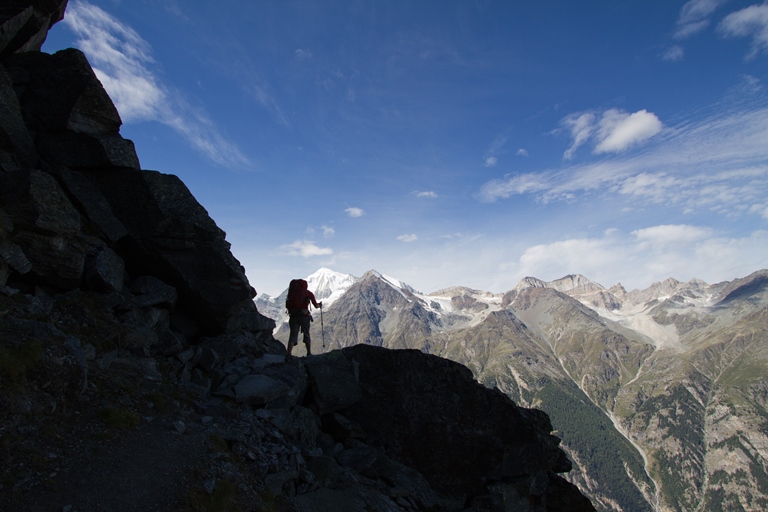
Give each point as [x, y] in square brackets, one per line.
[328, 285]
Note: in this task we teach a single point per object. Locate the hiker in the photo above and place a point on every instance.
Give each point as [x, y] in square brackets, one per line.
[297, 303]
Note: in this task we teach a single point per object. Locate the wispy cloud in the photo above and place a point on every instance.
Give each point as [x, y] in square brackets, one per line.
[581, 127]
[302, 54]
[306, 249]
[646, 255]
[613, 131]
[328, 231]
[122, 60]
[354, 212]
[522, 152]
[428, 194]
[751, 22]
[694, 17]
[718, 163]
[408, 238]
[673, 53]
[490, 158]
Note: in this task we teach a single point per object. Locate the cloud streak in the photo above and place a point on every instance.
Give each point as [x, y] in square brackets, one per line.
[354, 212]
[694, 17]
[751, 22]
[306, 249]
[122, 59]
[645, 255]
[717, 164]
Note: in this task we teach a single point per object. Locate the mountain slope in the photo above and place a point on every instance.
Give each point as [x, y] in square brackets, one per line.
[659, 394]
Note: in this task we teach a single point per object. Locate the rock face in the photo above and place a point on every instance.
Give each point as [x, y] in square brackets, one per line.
[80, 212]
[123, 309]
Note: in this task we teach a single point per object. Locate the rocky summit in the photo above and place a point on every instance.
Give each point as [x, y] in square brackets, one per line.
[137, 374]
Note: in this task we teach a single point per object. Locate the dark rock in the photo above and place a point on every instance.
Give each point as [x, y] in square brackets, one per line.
[94, 205]
[60, 93]
[341, 428]
[490, 438]
[14, 256]
[15, 141]
[294, 378]
[24, 24]
[105, 272]
[68, 111]
[151, 291]
[85, 151]
[563, 496]
[332, 382]
[36, 202]
[258, 389]
[56, 259]
[172, 237]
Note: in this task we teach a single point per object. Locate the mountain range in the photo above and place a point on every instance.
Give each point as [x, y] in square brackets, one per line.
[660, 395]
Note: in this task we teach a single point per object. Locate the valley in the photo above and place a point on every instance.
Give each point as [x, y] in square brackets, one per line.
[659, 395]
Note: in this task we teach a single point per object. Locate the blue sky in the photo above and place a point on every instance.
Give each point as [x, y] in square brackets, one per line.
[452, 142]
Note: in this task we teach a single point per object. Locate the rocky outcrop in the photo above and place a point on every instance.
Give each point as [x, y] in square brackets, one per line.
[122, 307]
[80, 214]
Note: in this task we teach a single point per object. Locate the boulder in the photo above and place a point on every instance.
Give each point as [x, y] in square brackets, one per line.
[151, 291]
[24, 24]
[258, 390]
[406, 392]
[173, 238]
[16, 146]
[105, 272]
[67, 109]
[332, 382]
[56, 259]
[35, 201]
[92, 203]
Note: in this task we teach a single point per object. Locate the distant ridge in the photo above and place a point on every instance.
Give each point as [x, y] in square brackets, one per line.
[653, 391]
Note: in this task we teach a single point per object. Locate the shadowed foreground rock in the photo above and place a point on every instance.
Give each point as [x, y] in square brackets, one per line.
[128, 334]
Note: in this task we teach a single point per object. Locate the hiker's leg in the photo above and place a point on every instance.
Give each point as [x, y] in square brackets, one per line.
[293, 338]
[307, 339]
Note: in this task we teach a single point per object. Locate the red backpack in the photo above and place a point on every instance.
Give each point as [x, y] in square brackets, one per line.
[297, 296]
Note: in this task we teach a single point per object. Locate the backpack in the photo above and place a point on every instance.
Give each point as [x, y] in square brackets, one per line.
[297, 296]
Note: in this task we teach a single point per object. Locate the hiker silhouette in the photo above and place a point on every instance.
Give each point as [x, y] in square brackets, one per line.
[297, 304]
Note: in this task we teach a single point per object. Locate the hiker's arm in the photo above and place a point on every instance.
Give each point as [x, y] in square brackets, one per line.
[318, 305]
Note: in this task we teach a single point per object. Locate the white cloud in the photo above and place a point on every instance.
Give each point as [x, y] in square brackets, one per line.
[306, 249]
[121, 60]
[355, 212]
[427, 194]
[516, 185]
[491, 161]
[328, 231]
[665, 235]
[646, 255]
[673, 53]
[619, 130]
[522, 152]
[751, 22]
[581, 127]
[694, 17]
[613, 132]
[408, 238]
[718, 164]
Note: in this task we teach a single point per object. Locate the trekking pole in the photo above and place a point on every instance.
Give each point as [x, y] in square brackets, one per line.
[322, 330]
